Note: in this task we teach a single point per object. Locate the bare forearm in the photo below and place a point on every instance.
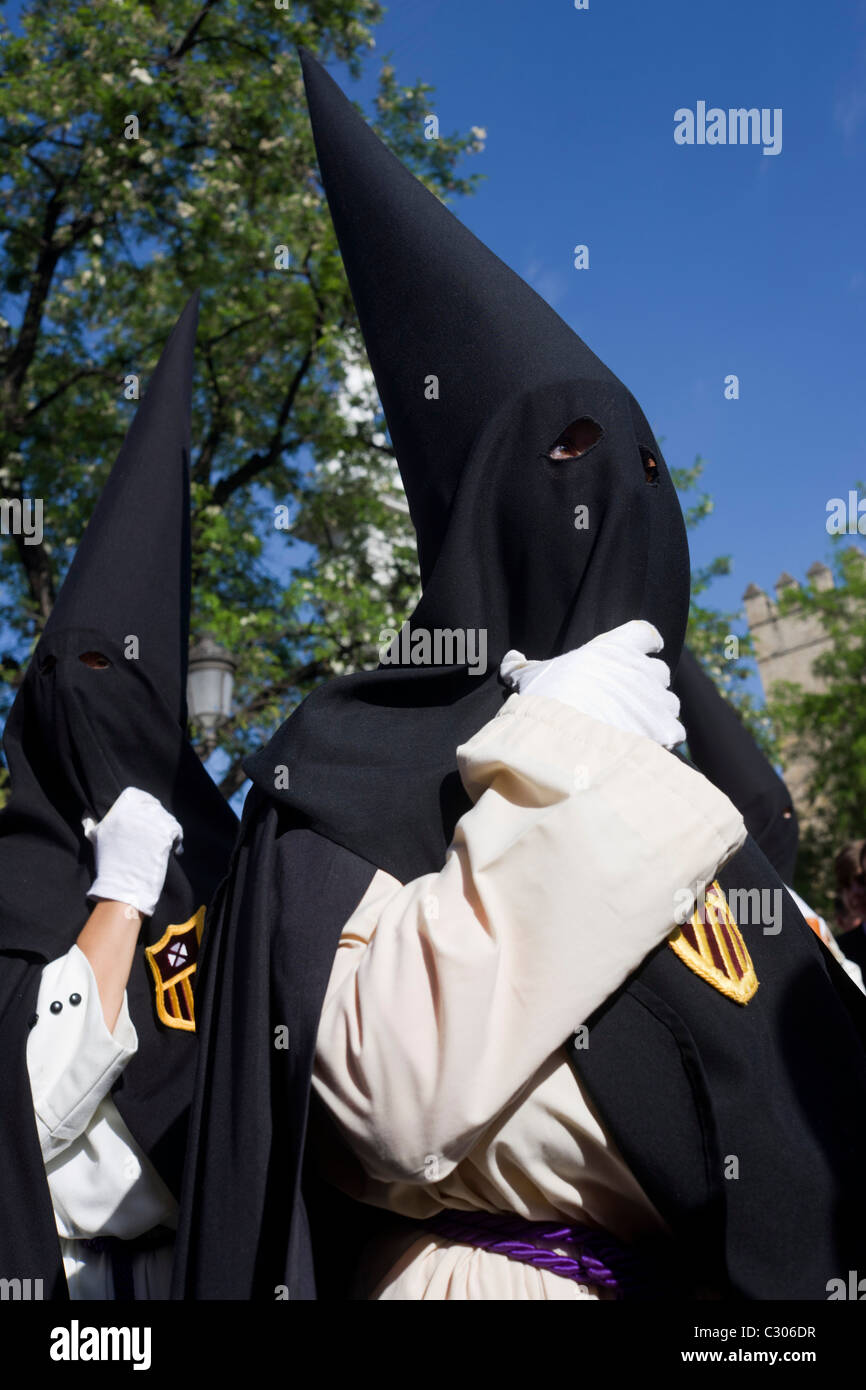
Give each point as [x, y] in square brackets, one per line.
[108, 941]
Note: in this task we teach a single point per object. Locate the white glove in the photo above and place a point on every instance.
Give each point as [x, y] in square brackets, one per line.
[612, 678]
[132, 846]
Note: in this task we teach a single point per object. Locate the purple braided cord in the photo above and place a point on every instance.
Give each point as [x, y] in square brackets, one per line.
[600, 1260]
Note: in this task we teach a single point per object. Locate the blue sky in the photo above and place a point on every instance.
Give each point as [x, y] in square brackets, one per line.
[704, 260]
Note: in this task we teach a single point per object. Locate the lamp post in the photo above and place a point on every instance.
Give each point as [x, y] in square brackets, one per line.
[209, 688]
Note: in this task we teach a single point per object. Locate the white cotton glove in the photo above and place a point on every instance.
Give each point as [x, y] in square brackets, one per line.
[132, 846]
[612, 678]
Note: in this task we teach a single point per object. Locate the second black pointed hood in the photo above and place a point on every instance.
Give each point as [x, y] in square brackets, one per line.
[130, 575]
[521, 544]
[725, 751]
[77, 736]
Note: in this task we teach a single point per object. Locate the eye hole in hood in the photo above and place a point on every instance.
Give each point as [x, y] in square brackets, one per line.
[576, 439]
[95, 660]
[650, 467]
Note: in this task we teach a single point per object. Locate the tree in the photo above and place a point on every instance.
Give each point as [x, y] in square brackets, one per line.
[151, 148]
[828, 726]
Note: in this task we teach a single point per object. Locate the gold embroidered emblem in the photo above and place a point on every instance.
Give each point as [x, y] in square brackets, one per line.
[173, 961]
[711, 944]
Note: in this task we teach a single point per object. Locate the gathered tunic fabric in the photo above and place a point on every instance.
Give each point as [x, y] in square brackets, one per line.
[440, 1046]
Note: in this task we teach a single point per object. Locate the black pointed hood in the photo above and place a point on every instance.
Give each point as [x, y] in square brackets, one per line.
[518, 546]
[77, 736]
[139, 531]
[432, 300]
[725, 751]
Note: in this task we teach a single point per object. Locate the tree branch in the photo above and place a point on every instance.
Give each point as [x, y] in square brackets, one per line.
[258, 463]
[233, 779]
[38, 570]
[23, 352]
[65, 385]
[188, 39]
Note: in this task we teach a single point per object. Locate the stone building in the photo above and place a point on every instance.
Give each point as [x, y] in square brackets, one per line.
[786, 647]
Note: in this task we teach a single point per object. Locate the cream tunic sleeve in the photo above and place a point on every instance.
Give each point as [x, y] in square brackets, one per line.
[564, 874]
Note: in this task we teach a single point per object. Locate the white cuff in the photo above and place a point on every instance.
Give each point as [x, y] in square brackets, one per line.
[72, 1059]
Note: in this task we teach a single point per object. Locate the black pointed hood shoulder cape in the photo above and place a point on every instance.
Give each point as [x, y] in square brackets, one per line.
[725, 751]
[532, 552]
[478, 378]
[75, 738]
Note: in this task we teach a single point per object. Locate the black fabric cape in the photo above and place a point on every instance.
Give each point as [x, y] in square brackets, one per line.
[244, 1224]
[725, 751]
[74, 739]
[371, 761]
[687, 1079]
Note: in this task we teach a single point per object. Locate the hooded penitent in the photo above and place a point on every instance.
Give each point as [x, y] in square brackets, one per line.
[75, 738]
[479, 379]
[723, 749]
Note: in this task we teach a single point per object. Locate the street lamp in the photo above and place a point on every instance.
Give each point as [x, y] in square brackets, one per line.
[209, 688]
